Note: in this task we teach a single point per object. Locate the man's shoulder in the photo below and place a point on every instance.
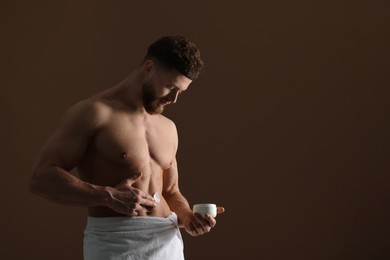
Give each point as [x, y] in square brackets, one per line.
[91, 111]
[167, 121]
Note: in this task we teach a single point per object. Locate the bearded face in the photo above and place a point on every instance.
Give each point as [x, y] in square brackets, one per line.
[152, 103]
[162, 88]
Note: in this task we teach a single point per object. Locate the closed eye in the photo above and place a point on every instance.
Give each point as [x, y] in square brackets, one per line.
[173, 87]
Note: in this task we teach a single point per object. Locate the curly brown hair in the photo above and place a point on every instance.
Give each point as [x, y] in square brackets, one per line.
[177, 52]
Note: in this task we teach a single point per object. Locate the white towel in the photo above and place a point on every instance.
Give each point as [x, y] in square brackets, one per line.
[133, 238]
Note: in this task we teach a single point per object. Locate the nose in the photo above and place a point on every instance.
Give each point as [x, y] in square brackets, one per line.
[173, 96]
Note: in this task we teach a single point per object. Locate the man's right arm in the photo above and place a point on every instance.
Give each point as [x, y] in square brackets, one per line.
[52, 179]
[51, 176]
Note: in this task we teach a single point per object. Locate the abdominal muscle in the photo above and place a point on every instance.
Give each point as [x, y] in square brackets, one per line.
[161, 210]
[103, 173]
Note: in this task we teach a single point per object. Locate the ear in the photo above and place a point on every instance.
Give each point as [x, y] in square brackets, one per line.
[148, 68]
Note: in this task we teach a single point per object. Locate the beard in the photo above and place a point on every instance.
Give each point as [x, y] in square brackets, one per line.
[151, 103]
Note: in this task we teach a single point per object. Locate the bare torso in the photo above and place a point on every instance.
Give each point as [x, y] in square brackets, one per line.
[129, 145]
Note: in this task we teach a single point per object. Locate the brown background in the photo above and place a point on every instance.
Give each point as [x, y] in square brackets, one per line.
[287, 127]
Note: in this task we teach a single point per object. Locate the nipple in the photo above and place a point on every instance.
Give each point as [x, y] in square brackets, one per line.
[123, 156]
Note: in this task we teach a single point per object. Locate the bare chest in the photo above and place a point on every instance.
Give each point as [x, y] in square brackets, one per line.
[136, 145]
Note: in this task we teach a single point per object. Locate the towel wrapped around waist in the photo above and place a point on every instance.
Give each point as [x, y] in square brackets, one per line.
[133, 238]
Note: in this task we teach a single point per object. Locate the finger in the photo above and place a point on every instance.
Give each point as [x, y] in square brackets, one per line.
[142, 194]
[208, 222]
[192, 230]
[133, 213]
[212, 222]
[139, 197]
[131, 210]
[147, 196]
[148, 203]
[220, 210]
[197, 220]
[197, 228]
[201, 224]
[202, 220]
[138, 207]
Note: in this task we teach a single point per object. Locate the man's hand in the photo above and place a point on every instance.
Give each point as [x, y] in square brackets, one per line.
[196, 225]
[128, 200]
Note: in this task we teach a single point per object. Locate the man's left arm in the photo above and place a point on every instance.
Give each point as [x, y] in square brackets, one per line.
[193, 223]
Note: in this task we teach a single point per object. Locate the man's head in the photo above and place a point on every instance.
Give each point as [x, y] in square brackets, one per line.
[177, 52]
[170, 65]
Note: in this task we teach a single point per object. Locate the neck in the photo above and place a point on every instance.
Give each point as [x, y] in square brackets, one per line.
[129, 91]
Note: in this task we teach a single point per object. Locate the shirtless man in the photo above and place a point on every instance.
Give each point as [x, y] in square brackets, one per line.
[123, 148]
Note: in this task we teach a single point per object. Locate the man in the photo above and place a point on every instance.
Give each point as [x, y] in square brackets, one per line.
[125, 153]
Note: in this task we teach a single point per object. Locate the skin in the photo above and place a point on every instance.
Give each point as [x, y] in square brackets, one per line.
[124, 151]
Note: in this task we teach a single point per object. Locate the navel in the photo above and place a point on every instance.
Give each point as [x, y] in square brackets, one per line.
[123, 156]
